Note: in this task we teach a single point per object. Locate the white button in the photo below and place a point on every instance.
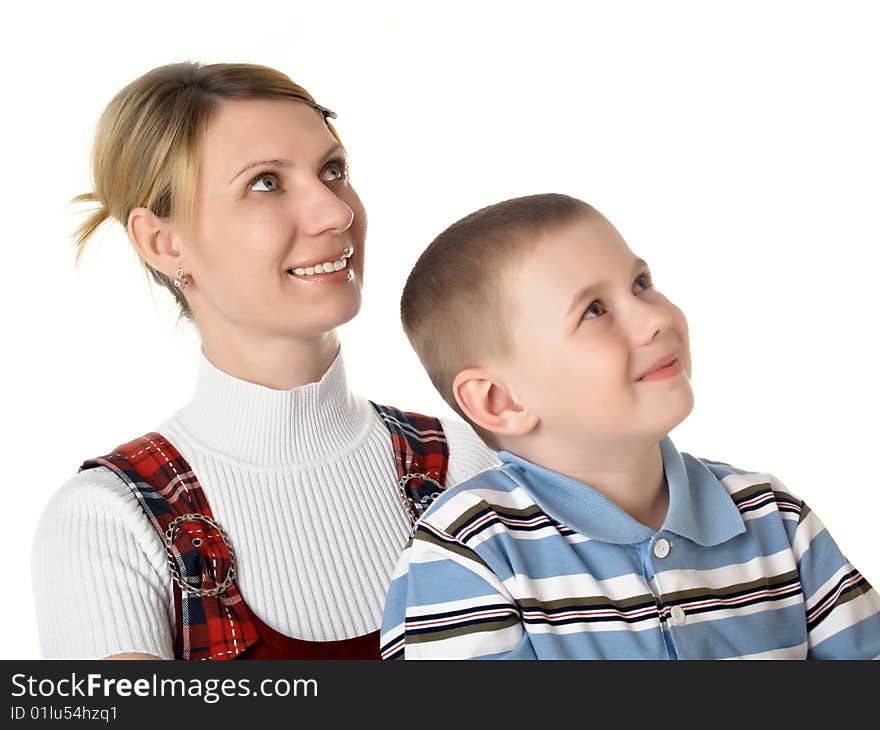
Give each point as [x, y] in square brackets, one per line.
[661, 548]
[678, 616]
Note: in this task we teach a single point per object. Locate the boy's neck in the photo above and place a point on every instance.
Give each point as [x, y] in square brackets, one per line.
[631, 476]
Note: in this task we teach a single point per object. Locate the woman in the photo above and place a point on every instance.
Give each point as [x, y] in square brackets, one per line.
[264, 518]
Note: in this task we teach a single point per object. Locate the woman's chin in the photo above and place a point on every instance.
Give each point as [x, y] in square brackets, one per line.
[331, 315]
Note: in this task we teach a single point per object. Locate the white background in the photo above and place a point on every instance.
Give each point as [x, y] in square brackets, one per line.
[735, 145]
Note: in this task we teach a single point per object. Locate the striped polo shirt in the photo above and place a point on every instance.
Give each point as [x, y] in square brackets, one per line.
[521, 562]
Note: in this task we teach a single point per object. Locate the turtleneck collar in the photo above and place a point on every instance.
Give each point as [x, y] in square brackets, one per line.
[307, 425]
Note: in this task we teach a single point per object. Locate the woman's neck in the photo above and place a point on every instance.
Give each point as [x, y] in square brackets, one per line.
[281, 363]
[304, 426]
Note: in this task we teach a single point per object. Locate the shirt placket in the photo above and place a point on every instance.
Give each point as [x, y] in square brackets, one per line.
[653, 552]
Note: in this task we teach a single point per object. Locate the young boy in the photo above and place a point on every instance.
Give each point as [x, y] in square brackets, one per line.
[594, 538]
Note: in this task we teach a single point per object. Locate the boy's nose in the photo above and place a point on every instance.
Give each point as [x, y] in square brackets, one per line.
[649, 320]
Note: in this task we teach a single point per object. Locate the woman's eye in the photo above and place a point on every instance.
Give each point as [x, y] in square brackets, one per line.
[266, 182]
[642, 282]
[596, 309]
[336, 170]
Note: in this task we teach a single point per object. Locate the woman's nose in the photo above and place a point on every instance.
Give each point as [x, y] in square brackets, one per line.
[324, 212]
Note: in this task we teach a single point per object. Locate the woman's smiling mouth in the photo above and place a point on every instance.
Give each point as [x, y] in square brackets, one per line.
[322, 269]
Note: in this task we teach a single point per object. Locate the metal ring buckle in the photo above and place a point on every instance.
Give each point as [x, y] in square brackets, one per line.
[414, 510]
[406, 478]
[175, 568]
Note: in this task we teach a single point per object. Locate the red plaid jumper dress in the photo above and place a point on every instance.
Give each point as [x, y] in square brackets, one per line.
[212, 619]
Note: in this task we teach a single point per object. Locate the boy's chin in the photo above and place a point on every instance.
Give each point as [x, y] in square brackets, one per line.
[678, 418]
[672, 417]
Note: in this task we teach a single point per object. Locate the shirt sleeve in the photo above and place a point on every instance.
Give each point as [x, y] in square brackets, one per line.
[445, 603]
[468, 453]
[842, 609]
[100, 581]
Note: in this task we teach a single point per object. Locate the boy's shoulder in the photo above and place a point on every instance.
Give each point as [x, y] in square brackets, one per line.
[491, 490]
[741, 484]
[495, 491]
[732, 477]
[720, 469]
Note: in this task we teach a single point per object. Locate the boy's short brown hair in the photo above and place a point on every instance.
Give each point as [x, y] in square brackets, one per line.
[454, 306]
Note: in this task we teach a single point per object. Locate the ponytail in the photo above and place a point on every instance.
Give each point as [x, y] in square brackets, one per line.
[91, 224]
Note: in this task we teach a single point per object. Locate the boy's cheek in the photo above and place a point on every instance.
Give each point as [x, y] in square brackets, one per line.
[683, 332]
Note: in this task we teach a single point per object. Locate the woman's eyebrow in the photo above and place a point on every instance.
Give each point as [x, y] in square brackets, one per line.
[255, 163]
[335, 149]
[281, 163]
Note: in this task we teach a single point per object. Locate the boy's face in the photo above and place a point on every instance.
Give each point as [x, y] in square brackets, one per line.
[587, 326]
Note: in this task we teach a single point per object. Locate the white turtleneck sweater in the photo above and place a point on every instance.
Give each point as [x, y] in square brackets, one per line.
[303, 481]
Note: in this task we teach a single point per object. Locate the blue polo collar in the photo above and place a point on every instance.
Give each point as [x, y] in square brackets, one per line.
[700, 509]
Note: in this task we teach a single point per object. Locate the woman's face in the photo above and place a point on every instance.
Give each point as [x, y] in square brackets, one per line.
[273, 202]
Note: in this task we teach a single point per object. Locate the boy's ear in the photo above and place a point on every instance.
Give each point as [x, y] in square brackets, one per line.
[488, 402]
[153, 238]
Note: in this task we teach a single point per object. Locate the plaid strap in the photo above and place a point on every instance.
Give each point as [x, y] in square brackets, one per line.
[213, 621]
[421, 454]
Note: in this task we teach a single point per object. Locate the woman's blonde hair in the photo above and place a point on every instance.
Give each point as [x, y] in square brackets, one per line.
[146, 147]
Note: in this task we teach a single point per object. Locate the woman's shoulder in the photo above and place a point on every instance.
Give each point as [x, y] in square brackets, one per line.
[95, 558]
[98, 487]
[468, 453]
[91, 502]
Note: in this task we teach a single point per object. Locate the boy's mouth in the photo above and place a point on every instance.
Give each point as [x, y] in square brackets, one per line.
[662, 364]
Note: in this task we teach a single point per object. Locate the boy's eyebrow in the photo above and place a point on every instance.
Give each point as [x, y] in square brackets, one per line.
[588, 291]
[281, 163]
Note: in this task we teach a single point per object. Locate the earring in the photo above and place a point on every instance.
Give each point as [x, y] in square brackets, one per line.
[181, 280]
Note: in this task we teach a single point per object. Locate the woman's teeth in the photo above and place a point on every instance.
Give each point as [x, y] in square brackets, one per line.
[325, 268]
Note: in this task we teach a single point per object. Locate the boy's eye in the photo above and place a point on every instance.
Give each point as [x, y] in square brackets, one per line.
[596, 309]
[642, 282]
[269, 181]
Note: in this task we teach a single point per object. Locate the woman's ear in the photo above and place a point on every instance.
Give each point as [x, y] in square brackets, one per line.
[154, 240]
[489, 403]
